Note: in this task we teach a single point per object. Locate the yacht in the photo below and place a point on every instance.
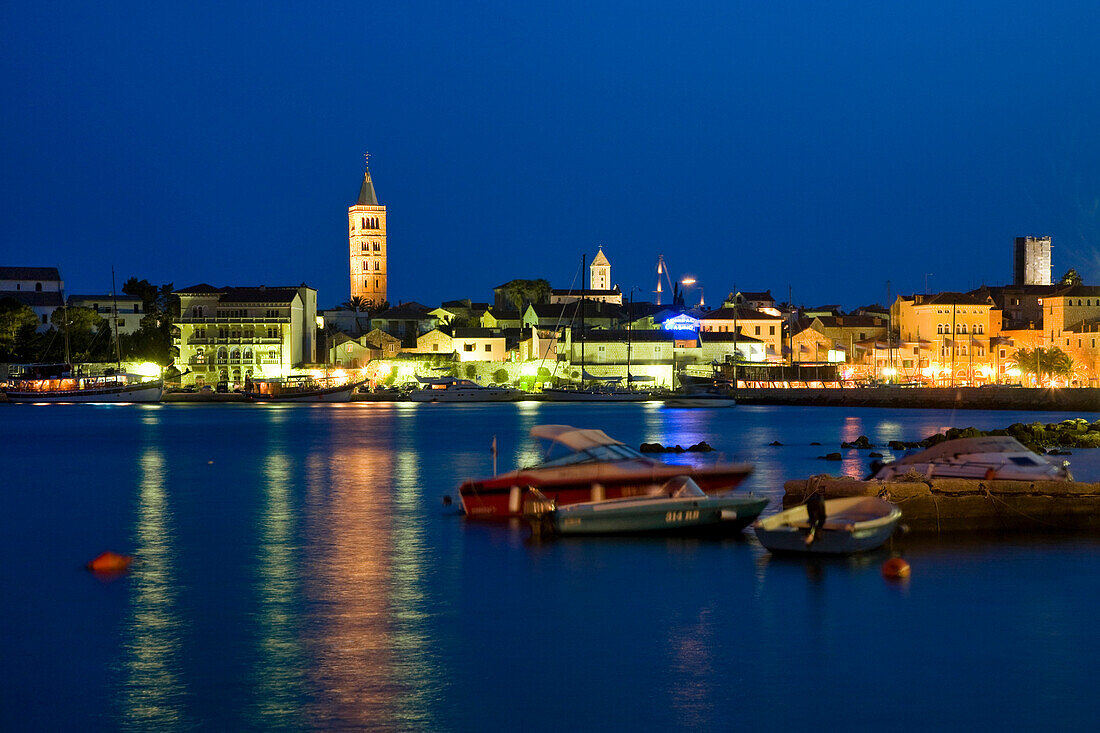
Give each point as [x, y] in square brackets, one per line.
[451, 389]
[988, 457]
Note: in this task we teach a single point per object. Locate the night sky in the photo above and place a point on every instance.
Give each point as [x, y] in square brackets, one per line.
[826, 146]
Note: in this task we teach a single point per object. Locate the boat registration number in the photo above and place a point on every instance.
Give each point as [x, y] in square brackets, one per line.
[681, 516]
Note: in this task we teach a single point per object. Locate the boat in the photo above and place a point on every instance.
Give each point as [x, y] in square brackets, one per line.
[988, 457]
[678, 506]
[59, 383]
[300, 389]
[452, 389]
[594, 393]
[583, 465]
[713, 395]
[854, 524]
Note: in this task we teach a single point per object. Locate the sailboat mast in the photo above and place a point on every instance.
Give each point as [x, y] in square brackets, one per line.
[65, 330]
[114, 318]
[584, 261]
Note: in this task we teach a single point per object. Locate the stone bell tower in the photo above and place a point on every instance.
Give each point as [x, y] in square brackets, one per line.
[367, 244]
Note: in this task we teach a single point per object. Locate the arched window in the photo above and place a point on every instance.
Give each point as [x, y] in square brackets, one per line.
[235, 354]
[376, 264]
[38, 287]
[248, 355]
[222, 355]
[199, 356]
[979, 328]
[363, 222]
[939, 328]
[354, 363]
[962, 328]
[376, 222]
[377, 247]
[272, 354]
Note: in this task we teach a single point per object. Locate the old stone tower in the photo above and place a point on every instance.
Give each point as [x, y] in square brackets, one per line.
[599, 272]
[367, 245]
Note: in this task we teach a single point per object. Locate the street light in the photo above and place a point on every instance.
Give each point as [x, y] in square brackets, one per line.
[688, 282]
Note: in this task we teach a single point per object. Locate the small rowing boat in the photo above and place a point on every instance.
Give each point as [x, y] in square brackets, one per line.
[854, 524]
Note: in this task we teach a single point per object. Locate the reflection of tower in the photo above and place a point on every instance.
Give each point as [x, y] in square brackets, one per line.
[1031, 261]
[367, 244]
[599, 277]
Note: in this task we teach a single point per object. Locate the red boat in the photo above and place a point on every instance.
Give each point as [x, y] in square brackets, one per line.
[586, 465]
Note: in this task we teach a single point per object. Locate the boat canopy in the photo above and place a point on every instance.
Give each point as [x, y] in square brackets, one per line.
[594, 378]
[966, 447]
[575, 438]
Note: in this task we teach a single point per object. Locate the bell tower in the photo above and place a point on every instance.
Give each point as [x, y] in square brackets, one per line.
[599, 272]
[367, 243]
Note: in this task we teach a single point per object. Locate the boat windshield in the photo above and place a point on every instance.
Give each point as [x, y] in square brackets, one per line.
[561, 455]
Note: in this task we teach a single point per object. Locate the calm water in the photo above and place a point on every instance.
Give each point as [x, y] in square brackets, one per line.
[297, 571]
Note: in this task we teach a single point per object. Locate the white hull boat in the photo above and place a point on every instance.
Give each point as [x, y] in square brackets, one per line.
[447, 389]
[598, 394]
[985, 458]
[136, 392]
[854, 524]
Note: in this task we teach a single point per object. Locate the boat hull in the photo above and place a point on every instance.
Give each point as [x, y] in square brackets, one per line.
[501, 497]
[661, 515]
[786, 532]
[577, 395]
[332, 394]
[696, 402]
[462, 395]
[145, 392]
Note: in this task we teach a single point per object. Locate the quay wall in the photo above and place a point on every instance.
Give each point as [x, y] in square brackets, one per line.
[1078, 399]
[955, 505]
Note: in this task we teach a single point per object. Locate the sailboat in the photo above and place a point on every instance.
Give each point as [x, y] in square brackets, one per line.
[598, 389]
[61, 383]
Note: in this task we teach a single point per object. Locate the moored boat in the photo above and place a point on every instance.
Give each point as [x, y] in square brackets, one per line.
[300, 389]
[583, 465]
[678, 506]
[987, 457]
[851, 525]
[452, 389]
[601, 393]
[57, 383]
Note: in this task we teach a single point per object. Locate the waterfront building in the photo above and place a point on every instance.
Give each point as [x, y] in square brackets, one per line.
[837, 338]
[766, 327]
[367, 245]
[231, 333]
[39, 288]
[501, 319]
[963, 330]
[1031, 261]
[406, 321]
[599, 288]
[556, 316]
[464, 311]
[124, 312]
[355, 353]
[762, 301]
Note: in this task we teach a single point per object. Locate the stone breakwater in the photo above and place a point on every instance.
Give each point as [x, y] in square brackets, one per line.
[1078, 399]
[954, 505]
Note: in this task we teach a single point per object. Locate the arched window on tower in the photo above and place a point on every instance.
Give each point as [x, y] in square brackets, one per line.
[377, 246]
[376, 264]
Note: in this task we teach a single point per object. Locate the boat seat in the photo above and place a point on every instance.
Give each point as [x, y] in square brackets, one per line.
[839, 523]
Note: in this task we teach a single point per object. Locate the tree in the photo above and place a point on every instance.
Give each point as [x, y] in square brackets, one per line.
[358, 304]
[1040, 362]
[1070, 278]
[471, 371]
[17, 326]
[522, 293]
[500, 376]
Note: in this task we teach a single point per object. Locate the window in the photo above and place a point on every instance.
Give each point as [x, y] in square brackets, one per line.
[435, 347]
[979, 351]
[939, 328]
[364, 246]
[962, 328]
[771, 330]
[272, 354]
[488, 347]
[758, 330]
[377, 247]
[862, 335]
[980, 328]
[376, 264]
[467, 347]
[906, 363]
[366, 283]
[44, 318]
[1002, 352]
[38, 287]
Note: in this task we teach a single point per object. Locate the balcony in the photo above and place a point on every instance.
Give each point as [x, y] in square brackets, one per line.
[243, 319]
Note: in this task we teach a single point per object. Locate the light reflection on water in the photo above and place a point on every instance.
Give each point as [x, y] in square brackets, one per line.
[154, 692]
[352, 601]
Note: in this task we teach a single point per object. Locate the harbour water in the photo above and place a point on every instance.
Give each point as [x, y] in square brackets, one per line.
[297, 571]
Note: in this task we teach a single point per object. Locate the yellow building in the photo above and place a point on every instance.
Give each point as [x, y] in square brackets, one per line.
[367, 245]
[749, 322]
[963, 331]
[229, 334]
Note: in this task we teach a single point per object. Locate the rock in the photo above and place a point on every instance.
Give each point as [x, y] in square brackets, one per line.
[874, 454]
[815, 443]
[897, 445]
[700, 447]
[830, 457]
[651, 448]
[846, 446]
[775, 442]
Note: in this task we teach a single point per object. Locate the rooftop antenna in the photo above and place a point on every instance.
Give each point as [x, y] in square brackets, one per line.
[366, 159]
[926, 276]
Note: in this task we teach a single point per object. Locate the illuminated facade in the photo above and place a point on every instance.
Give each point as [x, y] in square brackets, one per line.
[1031, 261]
[230, 334]
[748, 322]
[367, 245]
[963, 332]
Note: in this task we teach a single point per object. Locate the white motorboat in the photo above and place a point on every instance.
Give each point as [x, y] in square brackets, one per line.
[854, 524]
[710, 397]
[990, 457]
[451, 389]
[601, 393]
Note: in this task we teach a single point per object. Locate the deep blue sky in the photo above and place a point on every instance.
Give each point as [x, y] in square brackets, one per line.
[826, 146]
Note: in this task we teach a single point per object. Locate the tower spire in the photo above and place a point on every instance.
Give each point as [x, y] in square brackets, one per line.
[367, 196]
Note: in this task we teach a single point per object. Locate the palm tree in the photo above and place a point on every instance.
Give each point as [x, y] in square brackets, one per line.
[358, 304]
[1040, 362]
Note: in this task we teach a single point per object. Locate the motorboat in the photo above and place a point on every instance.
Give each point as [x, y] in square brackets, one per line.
[677, 506]
[853, 524]
[300, 389]
[59, 383]
[597, 393]
[712, 396]
[452, 389]
[582, 465]
[988, 457]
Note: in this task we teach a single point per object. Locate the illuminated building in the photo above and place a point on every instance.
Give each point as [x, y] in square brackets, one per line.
[229, 334]
[962, 330]
[599, 289]
[1031, 261]
[748, 322]
[367, 245]
[354, 353]
[124, 310]
[39, 288]
[837, 338]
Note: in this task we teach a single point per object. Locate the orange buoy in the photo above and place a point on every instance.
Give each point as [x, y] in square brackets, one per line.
[110, 562]
[895, 568]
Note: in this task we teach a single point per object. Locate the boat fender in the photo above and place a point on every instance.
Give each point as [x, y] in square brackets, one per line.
[990, 473]
[895, 569]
